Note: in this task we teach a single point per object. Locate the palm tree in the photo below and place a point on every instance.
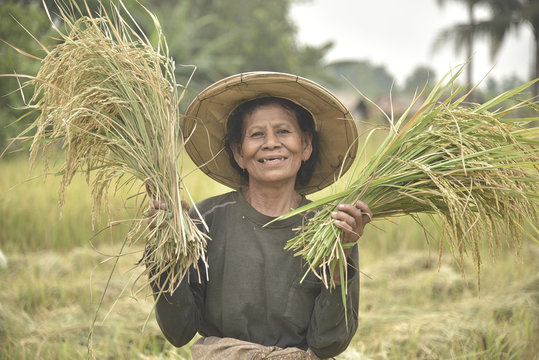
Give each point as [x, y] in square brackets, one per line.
[508, 15]
[463, 35]
[505, 16]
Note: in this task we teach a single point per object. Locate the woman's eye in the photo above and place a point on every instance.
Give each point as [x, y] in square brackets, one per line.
[257, 134]
[283, 131]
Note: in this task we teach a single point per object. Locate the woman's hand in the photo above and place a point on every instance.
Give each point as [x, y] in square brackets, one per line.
[158, 206]
[352, 218]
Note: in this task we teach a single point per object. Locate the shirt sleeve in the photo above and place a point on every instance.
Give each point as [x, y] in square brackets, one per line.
[332, 328]
[179, 314]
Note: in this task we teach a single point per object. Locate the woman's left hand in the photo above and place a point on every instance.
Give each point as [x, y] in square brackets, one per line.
[352, 218]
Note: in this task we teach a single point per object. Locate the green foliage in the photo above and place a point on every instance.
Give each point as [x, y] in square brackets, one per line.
[12, 62]
[222, 38]
[219, 38]
[94, 6]
[195, 41]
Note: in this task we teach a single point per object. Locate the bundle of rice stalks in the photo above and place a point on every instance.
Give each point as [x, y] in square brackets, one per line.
[110, 100]
[471, 167]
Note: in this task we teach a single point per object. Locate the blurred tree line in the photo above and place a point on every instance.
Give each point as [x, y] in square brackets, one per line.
[220, 38]
[504, 16]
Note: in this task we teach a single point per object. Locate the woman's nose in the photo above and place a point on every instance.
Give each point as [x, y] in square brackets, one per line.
[272, 141]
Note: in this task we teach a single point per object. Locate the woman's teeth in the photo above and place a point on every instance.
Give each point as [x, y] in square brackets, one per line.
[270, 160]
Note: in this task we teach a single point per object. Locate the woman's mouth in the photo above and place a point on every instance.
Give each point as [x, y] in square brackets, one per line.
[273, 159]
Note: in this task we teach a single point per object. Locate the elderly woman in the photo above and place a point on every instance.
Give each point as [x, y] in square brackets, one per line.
[273, 138]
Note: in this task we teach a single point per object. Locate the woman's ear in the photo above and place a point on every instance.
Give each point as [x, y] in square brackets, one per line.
[236, 151]
[307, 146]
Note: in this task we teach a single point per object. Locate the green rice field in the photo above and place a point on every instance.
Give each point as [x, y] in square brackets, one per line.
[412, 306]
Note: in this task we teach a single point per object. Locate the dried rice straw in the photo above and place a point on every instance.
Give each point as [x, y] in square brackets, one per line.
[110, 100]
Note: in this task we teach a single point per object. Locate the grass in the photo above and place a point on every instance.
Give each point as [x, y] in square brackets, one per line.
[52, 298]
[432, 313]
[30, 201]
[410, 308]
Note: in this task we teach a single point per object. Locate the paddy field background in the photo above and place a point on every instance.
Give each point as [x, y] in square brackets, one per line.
[412, 306]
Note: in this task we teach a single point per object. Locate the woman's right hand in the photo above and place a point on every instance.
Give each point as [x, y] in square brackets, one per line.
[157, 206]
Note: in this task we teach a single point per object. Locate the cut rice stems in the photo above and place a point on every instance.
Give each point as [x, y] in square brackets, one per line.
[474, 169]
[109, 98]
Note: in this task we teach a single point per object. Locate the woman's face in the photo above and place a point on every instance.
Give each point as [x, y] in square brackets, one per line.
[273, 146]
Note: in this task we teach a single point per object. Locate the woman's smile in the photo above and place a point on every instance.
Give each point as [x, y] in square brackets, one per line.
[273, 146]
[272, 160]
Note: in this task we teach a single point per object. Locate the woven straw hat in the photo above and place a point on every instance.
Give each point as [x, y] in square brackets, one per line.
[206, 117]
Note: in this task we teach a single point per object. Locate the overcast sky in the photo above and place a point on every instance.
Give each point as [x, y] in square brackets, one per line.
[399, 35]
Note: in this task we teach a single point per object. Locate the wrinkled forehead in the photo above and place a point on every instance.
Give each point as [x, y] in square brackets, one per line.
[274, 113]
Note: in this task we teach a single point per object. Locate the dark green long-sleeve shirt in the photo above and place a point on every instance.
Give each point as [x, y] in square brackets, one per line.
[254, 291]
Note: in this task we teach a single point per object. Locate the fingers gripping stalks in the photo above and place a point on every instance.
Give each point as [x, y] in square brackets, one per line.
[168, 263]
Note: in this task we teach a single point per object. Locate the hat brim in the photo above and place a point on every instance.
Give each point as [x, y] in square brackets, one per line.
[204, 125]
